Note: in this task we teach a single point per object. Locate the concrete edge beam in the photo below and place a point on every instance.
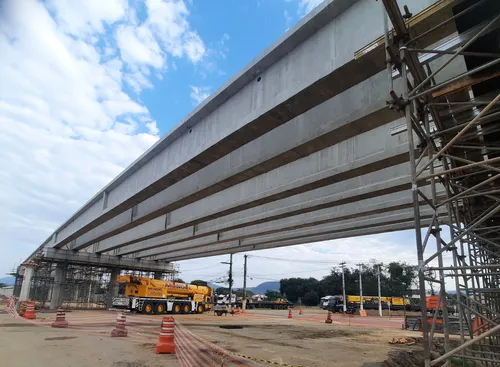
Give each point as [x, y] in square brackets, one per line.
[108, 261]
[342, 117]
[319, 169]
[347, 191]
[369, 222]
[309, 25]
[344, 214]
[356, 233]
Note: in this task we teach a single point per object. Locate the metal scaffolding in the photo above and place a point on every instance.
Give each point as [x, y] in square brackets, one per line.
[452, 120]
[81, 286]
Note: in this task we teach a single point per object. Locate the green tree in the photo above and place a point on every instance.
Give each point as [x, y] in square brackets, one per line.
[311, 298]
[221, 291]
[396, 279]
[199, 282]
[400, 278]
[178, 280]
[272, 295]
[3, 285]
[296, 288]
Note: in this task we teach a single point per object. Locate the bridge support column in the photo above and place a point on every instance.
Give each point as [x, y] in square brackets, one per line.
[59, 275]
[113, 287]
[158, 275]
[29, 270]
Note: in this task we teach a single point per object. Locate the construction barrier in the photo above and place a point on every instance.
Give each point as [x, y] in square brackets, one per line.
[60, 319]
[362, 313]
[194, 352]
[30, 311]
[120, 330]
[166, 342]
[479, 325]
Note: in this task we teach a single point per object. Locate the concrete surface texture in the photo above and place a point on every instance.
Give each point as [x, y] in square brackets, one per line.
[264, 335]
[300, 139]
[23, 344]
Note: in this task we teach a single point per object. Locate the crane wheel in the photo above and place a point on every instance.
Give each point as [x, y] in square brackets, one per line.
[148, 308]
[160, 308]
[177, 308]
[186, 308]
[200, 309]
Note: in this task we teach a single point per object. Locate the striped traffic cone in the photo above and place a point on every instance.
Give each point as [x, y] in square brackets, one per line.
[120, 329]
[300, 311]
[290, 314]
[166, 342]
[30, 311]
[328, 318]
[60, 319]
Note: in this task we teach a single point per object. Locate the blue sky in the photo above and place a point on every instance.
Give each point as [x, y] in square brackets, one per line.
[234, 33]
[88, 86]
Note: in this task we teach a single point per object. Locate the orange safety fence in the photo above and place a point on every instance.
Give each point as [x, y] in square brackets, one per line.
[190, 349]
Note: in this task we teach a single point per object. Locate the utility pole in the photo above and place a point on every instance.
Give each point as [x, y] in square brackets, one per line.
[245, 283]
[379, 293]
[360, 289]
[342, 264]
[230, 276]
[230, 280]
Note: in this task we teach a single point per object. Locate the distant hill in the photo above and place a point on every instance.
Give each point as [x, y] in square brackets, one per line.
[266, 286]
[214, 286]
[8, 280]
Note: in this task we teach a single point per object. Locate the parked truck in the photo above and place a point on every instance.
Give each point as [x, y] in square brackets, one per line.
[278, 304]
[336, 303]
[152, 296]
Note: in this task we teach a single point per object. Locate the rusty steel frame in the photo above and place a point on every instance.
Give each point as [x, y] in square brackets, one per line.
[468, 171]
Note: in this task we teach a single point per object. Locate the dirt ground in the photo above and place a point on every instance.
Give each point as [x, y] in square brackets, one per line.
[262, 334]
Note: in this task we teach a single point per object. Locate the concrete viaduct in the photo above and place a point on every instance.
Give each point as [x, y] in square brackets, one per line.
[298, 147]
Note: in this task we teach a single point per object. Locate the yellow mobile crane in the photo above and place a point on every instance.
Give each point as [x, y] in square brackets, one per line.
[150, 296]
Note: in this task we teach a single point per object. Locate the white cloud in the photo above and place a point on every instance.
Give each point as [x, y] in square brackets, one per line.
[288, 19]
[67, 124]
[138, 46]
[199, 93]
[81, 18]
[152, 128]
[311, 260]
[168, 20]
[305, 6]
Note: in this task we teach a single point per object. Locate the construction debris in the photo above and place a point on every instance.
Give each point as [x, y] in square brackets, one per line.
[404, 341]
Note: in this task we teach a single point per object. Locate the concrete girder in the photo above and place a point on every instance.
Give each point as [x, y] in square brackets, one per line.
[93, 259]
[353, 233]
[394, 217]
[359, 209]
[348, 191]
[293, 78]
[357, 110]
[307, 66]
[348, 159]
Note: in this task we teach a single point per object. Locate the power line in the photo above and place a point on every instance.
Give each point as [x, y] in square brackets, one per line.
[293, 260]
[296, 272]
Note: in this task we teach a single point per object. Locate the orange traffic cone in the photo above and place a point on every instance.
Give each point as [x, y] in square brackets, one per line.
[120, 329]
[238, 310]
[166, 341]
[300, 311]
[290, 314]
[328, 318]
[30, 311]
[60, 319]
